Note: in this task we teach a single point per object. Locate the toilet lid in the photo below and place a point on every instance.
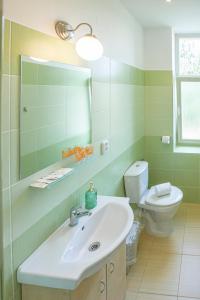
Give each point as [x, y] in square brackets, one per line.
[174, 197]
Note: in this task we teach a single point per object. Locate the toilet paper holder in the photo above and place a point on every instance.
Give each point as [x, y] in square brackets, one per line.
[166, 139]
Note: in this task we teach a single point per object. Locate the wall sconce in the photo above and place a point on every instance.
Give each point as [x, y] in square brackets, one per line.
[88, 46]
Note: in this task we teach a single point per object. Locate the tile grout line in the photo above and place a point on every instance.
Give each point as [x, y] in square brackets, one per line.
[138, 288]
[145, 268]
[181, 263]
[158, 294]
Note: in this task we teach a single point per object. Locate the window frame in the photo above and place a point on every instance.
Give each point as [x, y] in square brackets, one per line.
[178, 80]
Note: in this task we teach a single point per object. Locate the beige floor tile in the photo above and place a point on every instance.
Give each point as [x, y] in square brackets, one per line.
[131, 296]
[136, 273]
[145, 244]
[191, 207]
[137, 270]
[180, 217]
[133, 284]
[193, 215]
[193, 220]
[144, 236]
[191, 243]
[144, 296]
[171, 244]
[190, 277]
[161, 275]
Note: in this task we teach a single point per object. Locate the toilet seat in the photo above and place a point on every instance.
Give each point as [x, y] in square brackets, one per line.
[161, 204]
[165, 201]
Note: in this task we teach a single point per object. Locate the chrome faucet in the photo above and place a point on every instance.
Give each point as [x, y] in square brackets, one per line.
[76, 213]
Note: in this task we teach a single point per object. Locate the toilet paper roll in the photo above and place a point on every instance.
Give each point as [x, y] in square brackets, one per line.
[165, 139]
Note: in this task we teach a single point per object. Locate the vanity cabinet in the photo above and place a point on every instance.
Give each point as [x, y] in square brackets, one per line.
[107, 284]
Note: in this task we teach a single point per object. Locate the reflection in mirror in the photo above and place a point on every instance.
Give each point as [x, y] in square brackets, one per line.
[55, 112]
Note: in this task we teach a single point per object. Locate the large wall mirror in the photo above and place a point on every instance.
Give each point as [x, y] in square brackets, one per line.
[55, 112]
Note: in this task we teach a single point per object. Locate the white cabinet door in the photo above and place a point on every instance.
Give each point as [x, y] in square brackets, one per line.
[116, 275]
[92, 288]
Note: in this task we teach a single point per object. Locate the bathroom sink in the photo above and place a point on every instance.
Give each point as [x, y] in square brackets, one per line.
[71, 254]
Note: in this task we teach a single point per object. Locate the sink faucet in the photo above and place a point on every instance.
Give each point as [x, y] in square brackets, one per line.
[76, 213]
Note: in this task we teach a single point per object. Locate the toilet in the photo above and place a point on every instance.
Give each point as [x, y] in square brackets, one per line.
[158, 212]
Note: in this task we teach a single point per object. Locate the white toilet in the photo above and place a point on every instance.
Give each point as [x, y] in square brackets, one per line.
[158, 212]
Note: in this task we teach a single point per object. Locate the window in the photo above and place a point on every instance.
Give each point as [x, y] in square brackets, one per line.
[188, 88]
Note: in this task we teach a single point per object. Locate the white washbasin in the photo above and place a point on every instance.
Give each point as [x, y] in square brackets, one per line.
[64, 259]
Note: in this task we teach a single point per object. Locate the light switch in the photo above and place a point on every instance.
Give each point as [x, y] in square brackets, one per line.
[105, 146]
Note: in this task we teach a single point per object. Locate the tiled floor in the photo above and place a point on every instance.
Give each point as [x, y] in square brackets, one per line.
[169, 268]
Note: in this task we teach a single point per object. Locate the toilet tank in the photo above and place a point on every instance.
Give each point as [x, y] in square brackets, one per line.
[136, 181]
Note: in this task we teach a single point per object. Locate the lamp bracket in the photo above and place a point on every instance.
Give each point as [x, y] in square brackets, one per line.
[66, 32]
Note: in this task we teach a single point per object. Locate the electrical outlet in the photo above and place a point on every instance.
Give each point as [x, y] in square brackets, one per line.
[105, 147]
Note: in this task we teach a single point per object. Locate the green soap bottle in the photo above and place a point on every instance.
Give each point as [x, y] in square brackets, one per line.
[91, 197]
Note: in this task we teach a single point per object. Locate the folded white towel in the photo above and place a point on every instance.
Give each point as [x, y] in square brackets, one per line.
[162, 189]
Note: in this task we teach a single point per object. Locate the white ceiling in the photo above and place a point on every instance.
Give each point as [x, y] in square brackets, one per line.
[182, 15]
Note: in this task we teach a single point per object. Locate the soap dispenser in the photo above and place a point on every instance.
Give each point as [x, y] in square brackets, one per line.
[91, 196]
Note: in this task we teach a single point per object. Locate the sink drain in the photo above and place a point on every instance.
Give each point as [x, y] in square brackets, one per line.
[94, 246]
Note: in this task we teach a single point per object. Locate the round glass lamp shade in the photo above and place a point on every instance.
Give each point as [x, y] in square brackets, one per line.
[89, 47]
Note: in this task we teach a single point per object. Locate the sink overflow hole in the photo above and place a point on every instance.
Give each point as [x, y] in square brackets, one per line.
[94, 246]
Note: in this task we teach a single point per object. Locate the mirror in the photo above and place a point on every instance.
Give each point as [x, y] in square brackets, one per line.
[55, 112]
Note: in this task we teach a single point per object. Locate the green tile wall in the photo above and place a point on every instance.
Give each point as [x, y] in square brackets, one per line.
[182, 170]
[29, 216]
[158, 78]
